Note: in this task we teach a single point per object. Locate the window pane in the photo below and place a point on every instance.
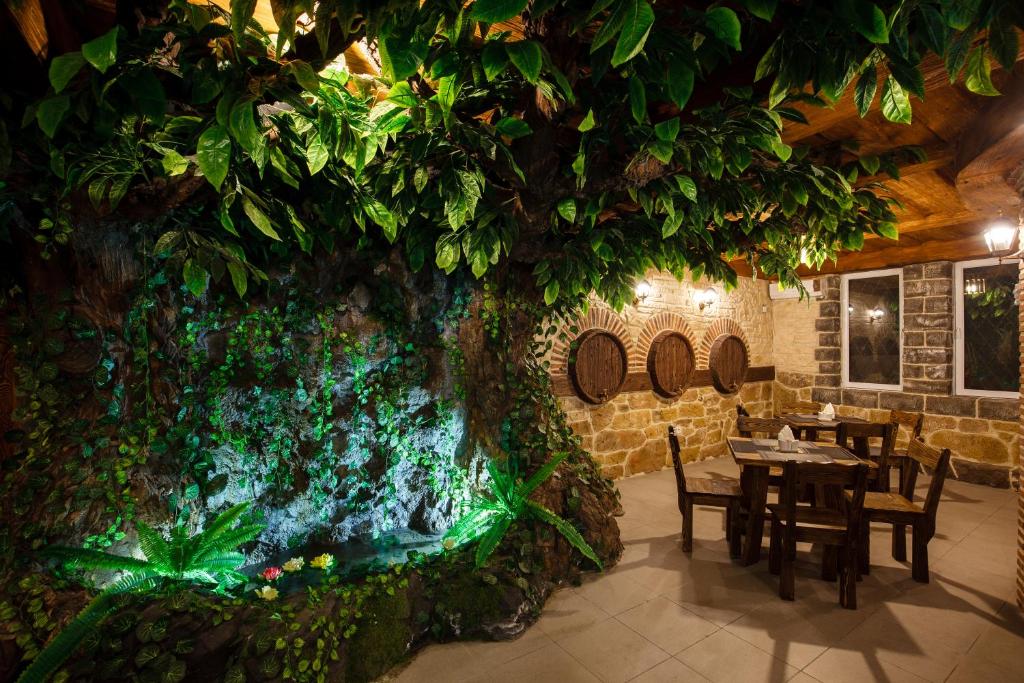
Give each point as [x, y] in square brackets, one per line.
[991, 344]
[873, 330]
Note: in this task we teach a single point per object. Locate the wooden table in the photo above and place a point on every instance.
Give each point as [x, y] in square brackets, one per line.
[755, 458]
[807, 426]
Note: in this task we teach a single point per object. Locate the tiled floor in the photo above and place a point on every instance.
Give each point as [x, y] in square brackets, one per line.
[660, 615]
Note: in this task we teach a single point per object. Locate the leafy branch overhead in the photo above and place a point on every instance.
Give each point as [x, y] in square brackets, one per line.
[587, 141]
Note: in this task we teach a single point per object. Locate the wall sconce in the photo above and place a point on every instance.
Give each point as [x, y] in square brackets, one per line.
[642, 290]
[706, 297]
[999, 236]
[875, 314]
[974, 285]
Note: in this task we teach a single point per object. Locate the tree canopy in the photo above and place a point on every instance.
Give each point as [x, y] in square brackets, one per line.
[585, 140]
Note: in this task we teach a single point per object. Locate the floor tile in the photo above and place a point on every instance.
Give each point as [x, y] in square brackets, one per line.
[567, 613]
[846, 666]
[670, 671]
[727, 658]
[550, 664]
[667, 625]
[614, 594]
[613, 652]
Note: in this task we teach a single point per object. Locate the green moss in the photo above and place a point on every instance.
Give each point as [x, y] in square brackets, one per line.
[381, 638]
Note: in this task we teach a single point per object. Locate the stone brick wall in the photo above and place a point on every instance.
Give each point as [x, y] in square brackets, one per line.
[628, 435]
[983, 433]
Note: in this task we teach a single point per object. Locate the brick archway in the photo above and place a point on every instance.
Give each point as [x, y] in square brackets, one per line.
[714, 331]
[599, 317]
[657, 324]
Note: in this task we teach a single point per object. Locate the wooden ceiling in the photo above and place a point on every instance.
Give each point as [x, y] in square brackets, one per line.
[935, 221]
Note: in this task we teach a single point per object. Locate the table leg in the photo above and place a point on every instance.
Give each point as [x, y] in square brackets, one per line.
[754, 481]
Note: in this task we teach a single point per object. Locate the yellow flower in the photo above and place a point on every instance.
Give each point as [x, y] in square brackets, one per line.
[294, 564]
[322, 561]
[448, 543]
[267, 593]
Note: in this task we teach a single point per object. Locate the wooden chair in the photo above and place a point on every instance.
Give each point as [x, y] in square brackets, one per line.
[854, 437]
[765, 428]
[838, 531]
[801, 408]
[912, 423]
[741, 411]
[900, 510]
[723, 493]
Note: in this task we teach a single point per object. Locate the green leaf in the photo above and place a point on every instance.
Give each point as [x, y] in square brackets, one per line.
[680, 82]
[259, 219]
[148, 93]
[447, 92]
[494, 59]
[513, 128]
[238, 277]
[527, 57]
[1002, 40]
[492, 11]
[870, 163]
[316, 154]
[213, 154]
[50, 113]
[382, 216]
[895, 105]
[566, 529]
[102, 52]
[667, 130]
[551, 292]
[724, 23]
[173, 163]
[401, 93]
[979, 73]
[637, 99]
[63, 68]
[864, 92]
[867, 19]
[610, 26]
[636, 25]
[567, 209]
[687, 187]
[587, 123]
[304, 75]
[889, 230]
[196, 277]
[399, 57]
[762, 9]
[243, 126]
[241, 15]
[447, 254]
[935, 31]
[908, 76]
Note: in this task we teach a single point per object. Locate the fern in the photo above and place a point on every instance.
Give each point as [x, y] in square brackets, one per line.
[490, 515]
[208, 557]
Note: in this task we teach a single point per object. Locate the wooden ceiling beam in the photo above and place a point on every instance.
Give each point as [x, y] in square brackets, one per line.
[990, 154]
[960, 249]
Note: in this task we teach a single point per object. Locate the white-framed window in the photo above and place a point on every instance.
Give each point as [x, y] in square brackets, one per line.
[987, 328]
[872, 329]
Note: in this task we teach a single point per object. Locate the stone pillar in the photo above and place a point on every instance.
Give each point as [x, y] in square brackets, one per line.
[829, 328]
[928, 328]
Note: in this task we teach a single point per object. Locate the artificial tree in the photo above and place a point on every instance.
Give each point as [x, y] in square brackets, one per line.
[540, 150]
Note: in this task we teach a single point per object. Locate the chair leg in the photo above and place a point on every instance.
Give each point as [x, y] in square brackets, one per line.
[775, 549]
[735, 535]
[787, 590]
[848, 578]
[829, 557]
[899, 542]
[919, 566]
[728, 522]
[688, 525]
[864, 548]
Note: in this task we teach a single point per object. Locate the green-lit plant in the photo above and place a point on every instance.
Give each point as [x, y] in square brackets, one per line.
[208, 557]
[491, 514]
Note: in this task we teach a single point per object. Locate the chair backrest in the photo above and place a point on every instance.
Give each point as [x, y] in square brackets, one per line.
[767, 427]
[741, 411]
[935, 460]
[801, 408]
[677, 465]
[912, 422]
[854, 436]
[798, 475]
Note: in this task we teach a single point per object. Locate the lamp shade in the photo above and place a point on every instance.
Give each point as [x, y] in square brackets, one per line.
[999, 236]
